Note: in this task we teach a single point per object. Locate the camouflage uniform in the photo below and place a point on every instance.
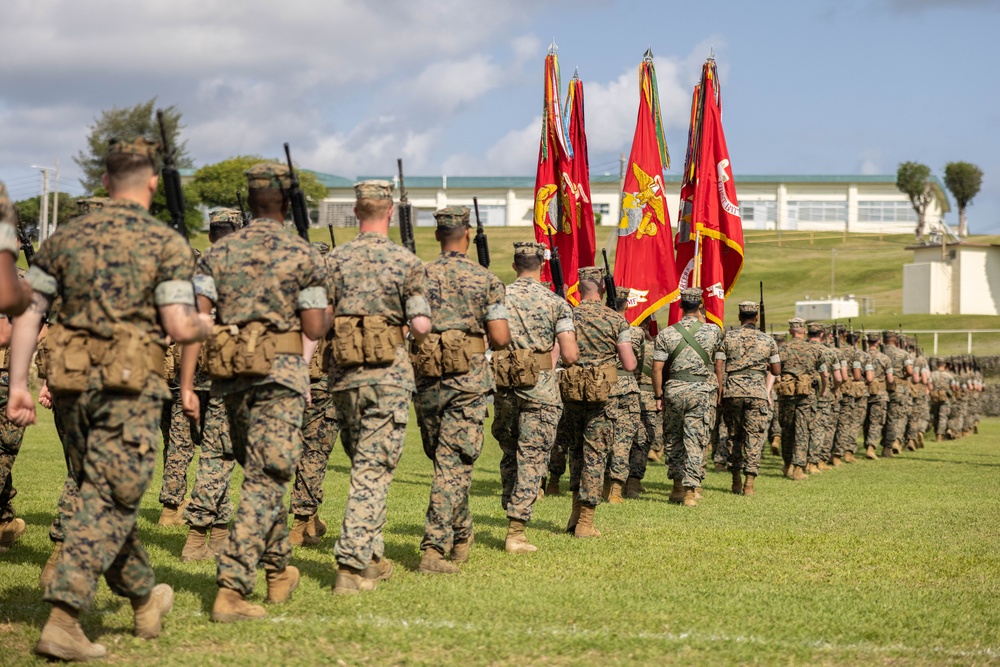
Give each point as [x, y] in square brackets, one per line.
[799, 357]
[748, 354]
[557, 454]
[897, 412]
[920, 408]
[650, 431]
[262, 274]
[10, 443]
[821, 430]
[881, 366]
[180, 442]
[526, 419]
[851, 406]
[690, 397]
[941, 401]
[451, 409]
[135, 263]
[629, 407]
[373, 276]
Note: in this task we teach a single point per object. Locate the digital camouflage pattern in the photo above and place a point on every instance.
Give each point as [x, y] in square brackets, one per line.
[919, 415]
[852, 408]
[824, 422]
[628, 424]
[319, 433]
[688, 407]
[590, 430]
[10, 444]
[650, 430]
[797, 412]
[182, 440]
[881, 367]
[451, 409]
[941, 401]
[898, 408]
[210, 504]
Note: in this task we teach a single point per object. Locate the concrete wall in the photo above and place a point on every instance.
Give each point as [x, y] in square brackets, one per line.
[927, 288]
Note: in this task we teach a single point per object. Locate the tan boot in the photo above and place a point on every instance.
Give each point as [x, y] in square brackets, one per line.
[434, 563]
[460, 549]
[574, 515]
[836, 462]
[737, 487]
[148, 612]
[920, 439]
[351, 581]
[698, 493]
[896, 447]
[823, 466]
[281, 585]
[318, 526]
[849, 458]
[220, 535]
[49, 571]
[379, 570]
[585, 528]
[786, 470]
[552, 488]
[230, 606]
[10, 531]
[677, 493]
[632, 488]
[606, 493]
[516, 542]
[776, 445]
[615, 497]
[799, 474]
[720, 467]
[196, 546]
[541, 493]
[63, 639]
[888, 452]
[940, 438]
[748, 489]
[870, 453]
[172, 516]
[653, 456]
[690, 499]
[911, 445]
[299, 534]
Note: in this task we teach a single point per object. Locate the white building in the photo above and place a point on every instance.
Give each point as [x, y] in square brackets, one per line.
[855, 203]
[956, 279]
[827, 309]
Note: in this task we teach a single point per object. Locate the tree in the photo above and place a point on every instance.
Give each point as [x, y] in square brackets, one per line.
[127, 123]
[964, 181]
[194, 219]
[30, 210]
[217, 184]
[914, 180]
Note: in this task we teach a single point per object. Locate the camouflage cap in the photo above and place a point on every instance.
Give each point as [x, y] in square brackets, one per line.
[268, 176]
[529, 248]
[452, 216]
[889, 334]
[797, 323]
[874, 336]
[6, 207]
[138, 146]
[373, 190]
[691, 295]
[230, 216]
[840, 329]
[591, 273]
[622, 293]
[322, 248]
[749, 307]
[88, 204]
[815, 328]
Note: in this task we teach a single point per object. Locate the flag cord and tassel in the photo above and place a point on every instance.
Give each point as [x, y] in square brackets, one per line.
[696, 273]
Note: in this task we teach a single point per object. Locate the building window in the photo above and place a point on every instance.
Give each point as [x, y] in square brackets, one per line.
[818, 211]
[886, 211]
[756, 214]
[603, 209]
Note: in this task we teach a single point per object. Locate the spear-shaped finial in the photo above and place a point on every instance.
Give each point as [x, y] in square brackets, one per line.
[552, 47]
[648, 55]
[711, 53]
[576, 72]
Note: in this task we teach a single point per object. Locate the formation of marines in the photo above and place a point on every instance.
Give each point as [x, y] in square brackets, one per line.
[263, 349]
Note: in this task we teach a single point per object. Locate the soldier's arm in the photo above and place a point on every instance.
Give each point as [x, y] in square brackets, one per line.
[499, 334]
[24, 337]
[658, 382]
[15, 294]
[190, 403]
[5, 331]
[624, 344]
[496, 316]
[418, 311]
[566, 336]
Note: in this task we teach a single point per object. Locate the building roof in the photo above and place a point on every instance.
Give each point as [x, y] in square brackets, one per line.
[331, 180]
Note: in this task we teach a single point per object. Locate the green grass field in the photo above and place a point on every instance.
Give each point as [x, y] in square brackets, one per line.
[889, 562]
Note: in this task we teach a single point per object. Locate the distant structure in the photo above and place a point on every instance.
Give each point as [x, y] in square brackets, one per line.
[828, 309]
[957, 278]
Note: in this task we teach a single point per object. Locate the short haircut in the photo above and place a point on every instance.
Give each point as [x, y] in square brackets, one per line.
[267, 199]
[815, 334]
[690, 306]
[589, 287]
[446, 234]
[746, 317]
[372, 209]
[527, 262]
[128, 170]
[220, 230]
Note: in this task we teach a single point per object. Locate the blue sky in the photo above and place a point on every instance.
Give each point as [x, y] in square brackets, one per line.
[809, 87]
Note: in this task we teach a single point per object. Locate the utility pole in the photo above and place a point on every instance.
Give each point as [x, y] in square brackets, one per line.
[55, 201]
[43, 218]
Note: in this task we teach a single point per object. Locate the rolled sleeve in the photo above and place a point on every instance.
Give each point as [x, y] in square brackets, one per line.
[417, 306]
[205, 286]
[624, 337]
[774, 359]
[497, 311]
[171, 292]
[564, 324]
[660, 355]
[720, 355]
[41, 281]
[822, 368]
[8, 239]
[312, 297]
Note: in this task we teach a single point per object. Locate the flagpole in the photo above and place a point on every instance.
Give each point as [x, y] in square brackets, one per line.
[696, 278]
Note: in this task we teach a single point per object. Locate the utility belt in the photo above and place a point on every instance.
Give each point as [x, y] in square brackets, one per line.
[4, 358]
[917, 389]
[790, 384]
[684, 376]
[519, 369]
[940, 396]
[446, 353]
[588, 384]
[762, 374]
[899, 384]
[247, 352]
[125, 361]
[364, 340]
[876, 387]
[857, 389]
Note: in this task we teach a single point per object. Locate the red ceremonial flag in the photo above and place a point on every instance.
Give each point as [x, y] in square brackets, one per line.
[645, 258]
[578, 209]
[710, 234]
[553, 155]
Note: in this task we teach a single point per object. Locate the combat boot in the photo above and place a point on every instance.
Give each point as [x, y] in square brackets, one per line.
[836, 462]
[822, 466]
[690, 499]
[896, 447]
[698, 493]
[63, 639]
[870, 453]
[10, 531]
[220, 535]
[786, 470]
[516, 542]
[677, 493]
[552, 488]
[888, 452]
[776, 445]
[300, 535]
[281, 585]
[920, 440]
[148, 611]
[434, 563]
[940, 438]
[615, 497]
[172, 516]
[541, 493]
[720, 467]
[351, 581]
[748, 489]
[737, 488]
[653, 456]
[49, 571]
[849, 458]
[230, 606]
[911, 446]
[196, 546]
[632, 488]
[574, 515]
[585, 528]
[318, 526]
[606, 493]
[799, 474]
[460, 549]
[379, 569]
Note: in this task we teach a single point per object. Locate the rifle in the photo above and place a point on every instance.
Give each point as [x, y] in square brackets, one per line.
[300, 214]
[836, 335]
[555, 266]
[482, 244]
[610, 293]
[22, 237]
[172, 181]
[244, 213]
[763, 319]
[864, 339]
[405, 215]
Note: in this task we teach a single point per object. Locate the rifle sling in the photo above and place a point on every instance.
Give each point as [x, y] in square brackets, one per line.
[689, 340]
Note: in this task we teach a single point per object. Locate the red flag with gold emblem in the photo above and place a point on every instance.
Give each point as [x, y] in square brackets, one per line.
[578, 209]
[710, 233]
[645, 257]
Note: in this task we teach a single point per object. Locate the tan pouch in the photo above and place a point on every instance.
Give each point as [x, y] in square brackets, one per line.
[125, 364]
[171, 365]
[69, 360]
[347, 351]
[426, 356]
[785, 387]
[876, 387]
[803, 385]
[501, 363]
[524, 369]
[455, 353]
[42, 358]
[378, 341]
[597, 384]
[255, 351]
[571, 384]
[220, 349]
[319, 364]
